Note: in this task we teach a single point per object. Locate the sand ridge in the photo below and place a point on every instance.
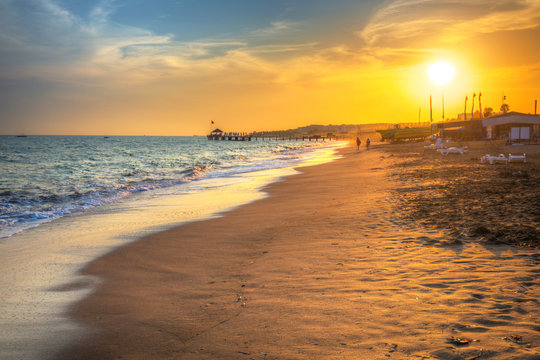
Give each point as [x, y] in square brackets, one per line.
[324, 268]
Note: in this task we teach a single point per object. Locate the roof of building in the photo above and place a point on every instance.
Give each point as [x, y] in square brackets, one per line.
[511, 118]
[216, 131]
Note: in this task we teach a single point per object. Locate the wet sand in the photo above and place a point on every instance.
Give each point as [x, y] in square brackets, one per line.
[331, 266]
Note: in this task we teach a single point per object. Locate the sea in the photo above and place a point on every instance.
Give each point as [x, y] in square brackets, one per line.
[66, 200]
[46, 177]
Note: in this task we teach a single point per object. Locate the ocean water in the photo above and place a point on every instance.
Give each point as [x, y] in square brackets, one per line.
[66, 200]
[43, 178]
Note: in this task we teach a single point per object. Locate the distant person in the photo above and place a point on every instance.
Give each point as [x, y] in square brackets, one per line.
[367, 143]
[358, 142]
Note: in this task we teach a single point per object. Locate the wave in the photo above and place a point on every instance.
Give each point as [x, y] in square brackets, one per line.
[24, 208]
[21, 210]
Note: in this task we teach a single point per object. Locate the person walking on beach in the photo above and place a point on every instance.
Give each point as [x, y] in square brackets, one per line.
[367, 143]
[358, 142]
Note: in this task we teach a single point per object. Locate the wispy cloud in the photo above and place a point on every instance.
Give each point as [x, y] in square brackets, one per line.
[276, 27]
[41, 37]
[102, 12]
[46, 41]
[448, 20]
[50, 42]
[61, 59]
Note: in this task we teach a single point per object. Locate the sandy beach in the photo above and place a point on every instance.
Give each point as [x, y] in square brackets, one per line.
[386, 253]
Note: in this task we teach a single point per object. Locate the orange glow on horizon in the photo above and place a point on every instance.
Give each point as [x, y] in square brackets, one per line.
[281, 76]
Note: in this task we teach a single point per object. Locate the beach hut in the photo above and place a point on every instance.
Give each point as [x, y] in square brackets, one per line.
[513, 126]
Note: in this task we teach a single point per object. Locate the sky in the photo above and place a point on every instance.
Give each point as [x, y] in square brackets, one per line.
[170, 67]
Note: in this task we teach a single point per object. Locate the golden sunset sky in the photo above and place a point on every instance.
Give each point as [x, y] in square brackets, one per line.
[169, 67]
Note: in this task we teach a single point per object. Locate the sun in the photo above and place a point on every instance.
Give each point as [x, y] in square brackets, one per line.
[441, 72]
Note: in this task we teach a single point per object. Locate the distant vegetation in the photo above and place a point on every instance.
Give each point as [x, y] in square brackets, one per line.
[340, 131]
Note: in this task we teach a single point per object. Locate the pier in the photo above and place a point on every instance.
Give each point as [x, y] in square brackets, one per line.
[230, 137]
[219, 135]
[270, 138]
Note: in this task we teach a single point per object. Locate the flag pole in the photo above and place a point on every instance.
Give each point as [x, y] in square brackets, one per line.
[443, 107]
[465, 111]
[430, 116]
[472, 108]
[480, 103]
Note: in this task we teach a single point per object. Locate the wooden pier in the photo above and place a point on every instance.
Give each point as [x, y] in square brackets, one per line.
[221, 137]
[230, 137]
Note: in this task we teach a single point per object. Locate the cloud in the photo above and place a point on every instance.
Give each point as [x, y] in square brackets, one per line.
[447, 20]
[42, 40]
[97, 51]
[29, 25]
[276, 27]
[101, 13]
[45, 41]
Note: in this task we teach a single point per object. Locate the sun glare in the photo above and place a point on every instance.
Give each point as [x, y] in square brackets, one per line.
[441, 72]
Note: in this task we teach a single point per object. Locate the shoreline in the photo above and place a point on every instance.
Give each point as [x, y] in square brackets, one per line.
[318, 269]
[42, 264]
[139, 176]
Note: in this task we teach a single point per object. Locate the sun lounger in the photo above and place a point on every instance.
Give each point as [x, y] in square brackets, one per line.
[517, 158]
[439, 144]
[453, 150]
[493, 158]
